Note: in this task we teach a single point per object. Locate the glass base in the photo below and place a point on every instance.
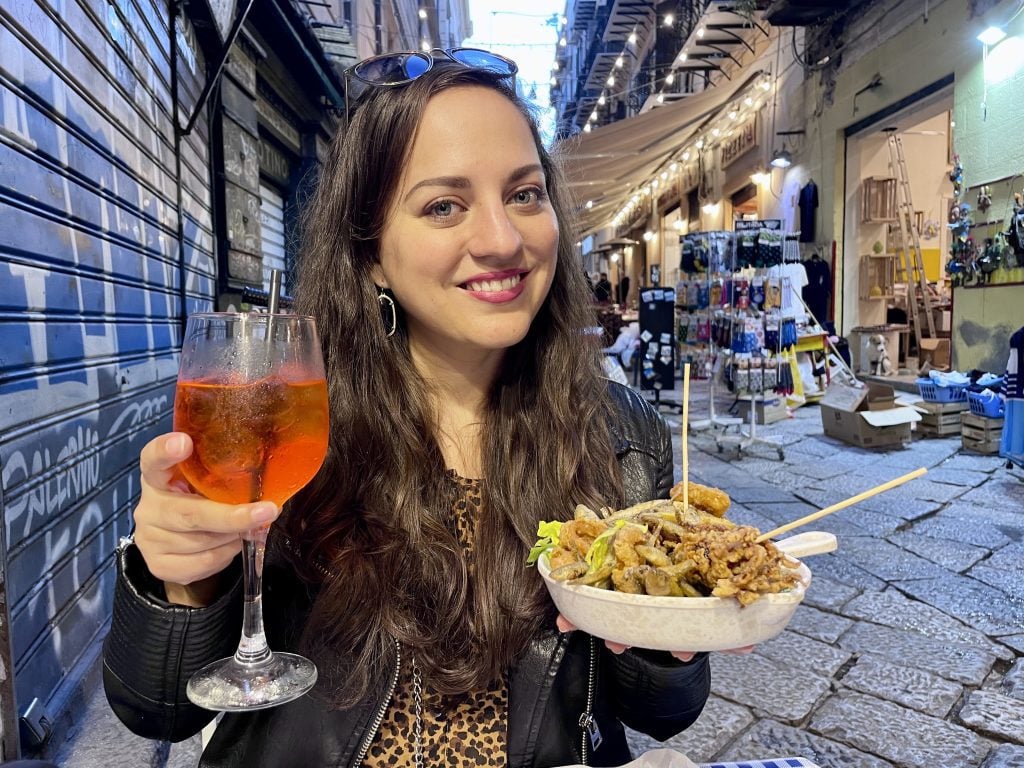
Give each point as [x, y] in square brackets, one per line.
[230, 686]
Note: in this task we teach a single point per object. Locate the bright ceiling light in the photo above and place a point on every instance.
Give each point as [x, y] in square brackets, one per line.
[423, 13]
[701, 31]
[611, 80]
[669, 19]
[683, 56]
[619, 62]
[587, 128]
[562, 42]
[686, 156]
[670, 78]
[632, 38]
[991, 36]
[601, 99]
[674, 167]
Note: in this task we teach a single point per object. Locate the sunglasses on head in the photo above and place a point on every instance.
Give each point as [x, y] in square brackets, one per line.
[392, 69]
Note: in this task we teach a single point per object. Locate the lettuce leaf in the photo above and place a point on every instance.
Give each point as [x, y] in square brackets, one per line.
[547, 539]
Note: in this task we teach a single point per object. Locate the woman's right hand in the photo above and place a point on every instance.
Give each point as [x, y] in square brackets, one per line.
[186, 539]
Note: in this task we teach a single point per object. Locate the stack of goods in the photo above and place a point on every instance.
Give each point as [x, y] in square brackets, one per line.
[945, 401]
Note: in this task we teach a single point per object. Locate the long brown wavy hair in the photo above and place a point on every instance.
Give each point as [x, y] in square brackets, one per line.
[378, 517]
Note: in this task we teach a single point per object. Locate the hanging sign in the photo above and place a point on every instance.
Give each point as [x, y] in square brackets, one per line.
[741, 142]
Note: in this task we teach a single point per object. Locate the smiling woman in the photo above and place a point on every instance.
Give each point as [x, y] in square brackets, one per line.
[465, 412]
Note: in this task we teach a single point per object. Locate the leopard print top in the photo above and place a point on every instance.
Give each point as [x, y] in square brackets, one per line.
[458, 731]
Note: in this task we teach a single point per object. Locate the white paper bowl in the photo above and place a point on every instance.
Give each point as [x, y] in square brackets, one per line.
[675, 623]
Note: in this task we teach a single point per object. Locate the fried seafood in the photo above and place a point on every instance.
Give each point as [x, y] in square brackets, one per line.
[660, 548]
[713, 500]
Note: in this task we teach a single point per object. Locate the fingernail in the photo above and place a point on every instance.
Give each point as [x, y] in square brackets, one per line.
[176, 445]
[263, 513]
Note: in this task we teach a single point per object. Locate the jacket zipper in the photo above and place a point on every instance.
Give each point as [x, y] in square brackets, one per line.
[381, 711]
[587, 723]
[378, 718]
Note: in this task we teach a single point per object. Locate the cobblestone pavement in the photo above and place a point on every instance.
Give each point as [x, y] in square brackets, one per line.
[906, 652]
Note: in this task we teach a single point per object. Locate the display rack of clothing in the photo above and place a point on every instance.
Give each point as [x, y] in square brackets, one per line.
[657, 351]
[760, 325]
[706, 261]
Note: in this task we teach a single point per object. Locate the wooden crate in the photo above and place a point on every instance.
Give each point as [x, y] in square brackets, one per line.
[980, 434]
[939, 424]
[929, 407]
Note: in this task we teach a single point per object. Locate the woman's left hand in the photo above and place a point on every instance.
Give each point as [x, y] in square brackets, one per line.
[565, 626]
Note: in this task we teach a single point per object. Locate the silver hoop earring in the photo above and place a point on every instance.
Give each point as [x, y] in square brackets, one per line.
[388, 304]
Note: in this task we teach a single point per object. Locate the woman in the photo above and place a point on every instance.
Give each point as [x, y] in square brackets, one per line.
[465, 407]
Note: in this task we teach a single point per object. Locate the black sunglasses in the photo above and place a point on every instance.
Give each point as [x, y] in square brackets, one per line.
[400, 68]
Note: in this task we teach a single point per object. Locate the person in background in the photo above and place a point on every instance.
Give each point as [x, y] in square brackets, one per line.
[438, 262]
[622, 289]
[603, 289]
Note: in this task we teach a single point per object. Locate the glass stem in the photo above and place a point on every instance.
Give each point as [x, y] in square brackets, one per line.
[252, 648]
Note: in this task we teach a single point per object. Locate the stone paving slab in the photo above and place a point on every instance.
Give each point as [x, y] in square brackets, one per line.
[845, 571]
[745, 680]
[999, 716]
[801, 652]
[775, 739]
[1008, 558]
[1006, 581]
[1013, 641]
[903, 684]
[782, 511]
[974, 603]
[819, 625]
[905, 737]
[1013, 681]
[827, 594]
[1005, 756]
[951, 555]
[953, 661]
[973, 462]
[887, 561]
[957, 476]
[956, 528]
[893, 609]
[1009, 522]
[1002, 490]
[718, 725]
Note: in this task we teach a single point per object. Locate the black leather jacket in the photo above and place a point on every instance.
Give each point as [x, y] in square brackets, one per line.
[153, 648]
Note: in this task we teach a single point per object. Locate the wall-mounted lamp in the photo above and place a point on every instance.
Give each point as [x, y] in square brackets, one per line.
[782, 158]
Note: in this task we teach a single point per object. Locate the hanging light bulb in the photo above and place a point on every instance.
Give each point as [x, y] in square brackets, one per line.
[425, 45]
[423, 13]
[733, 114]
[619, 61]
[601, 99]
[748, 101]
[590, 204]
[562, 42]
[648, 235]
[669, 19]
[593, 116]
[700, 143]
[664, 175]
[673, 167]
[683, 56]
[611, 80]
[715, 132]
[554, 80]
[670, 78]
[661, 98]
[701, 31]
[632, 37]
[554, 66]
[686, 156]
[586, 128]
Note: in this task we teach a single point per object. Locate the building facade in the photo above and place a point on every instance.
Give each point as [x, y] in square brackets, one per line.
[838, 81]
[153, 160]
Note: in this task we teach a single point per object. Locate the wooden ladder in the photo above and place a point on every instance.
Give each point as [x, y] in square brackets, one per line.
[910, 264]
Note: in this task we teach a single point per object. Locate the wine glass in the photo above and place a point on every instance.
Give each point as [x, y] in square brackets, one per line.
[252, 395]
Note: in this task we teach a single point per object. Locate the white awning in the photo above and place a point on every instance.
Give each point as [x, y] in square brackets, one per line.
[607, 164]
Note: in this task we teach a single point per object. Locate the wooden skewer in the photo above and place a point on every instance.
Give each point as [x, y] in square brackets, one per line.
[841, 505]
[686, 422]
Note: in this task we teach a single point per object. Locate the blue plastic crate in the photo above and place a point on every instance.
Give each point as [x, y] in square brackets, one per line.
[989, 407]
[934, 393]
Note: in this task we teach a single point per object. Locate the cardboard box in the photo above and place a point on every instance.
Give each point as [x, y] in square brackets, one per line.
[846, 415]
[936, 352]
[766, 410]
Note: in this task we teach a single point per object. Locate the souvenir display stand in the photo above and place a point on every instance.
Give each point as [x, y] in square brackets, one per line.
[656, 357]
[706, 263]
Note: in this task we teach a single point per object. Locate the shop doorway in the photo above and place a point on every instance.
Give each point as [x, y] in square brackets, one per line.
[744, 202]
[872, 292]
